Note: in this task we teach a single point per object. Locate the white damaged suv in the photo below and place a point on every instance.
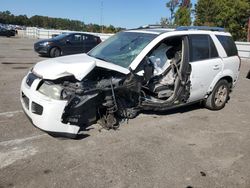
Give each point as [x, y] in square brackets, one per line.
[142, 69]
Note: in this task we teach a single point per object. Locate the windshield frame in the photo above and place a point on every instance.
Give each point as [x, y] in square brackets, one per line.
[142, 38]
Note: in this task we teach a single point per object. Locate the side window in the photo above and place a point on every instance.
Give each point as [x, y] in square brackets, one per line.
[164, 52]
[228, 45]
[76, 38]
[88, 38]
[91, 39]
[201, 48]
[97, 40]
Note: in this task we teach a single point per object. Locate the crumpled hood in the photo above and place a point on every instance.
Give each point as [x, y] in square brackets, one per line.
[77, 65]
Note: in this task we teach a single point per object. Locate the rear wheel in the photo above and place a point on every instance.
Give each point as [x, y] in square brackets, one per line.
[219, 96]
[55, 52]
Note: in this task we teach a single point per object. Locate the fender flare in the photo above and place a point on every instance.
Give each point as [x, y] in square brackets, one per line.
[227, 74]
[55, 46]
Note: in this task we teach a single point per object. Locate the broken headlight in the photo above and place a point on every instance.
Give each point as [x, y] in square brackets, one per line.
[53, 91]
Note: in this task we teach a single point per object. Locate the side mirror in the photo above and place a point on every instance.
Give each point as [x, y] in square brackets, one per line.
[68, 41]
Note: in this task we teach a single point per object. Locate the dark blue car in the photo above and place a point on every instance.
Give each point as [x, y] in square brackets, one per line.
[7, 32]
[66, 44]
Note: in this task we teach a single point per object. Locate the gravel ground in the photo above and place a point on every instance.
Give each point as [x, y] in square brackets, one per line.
[187, 147]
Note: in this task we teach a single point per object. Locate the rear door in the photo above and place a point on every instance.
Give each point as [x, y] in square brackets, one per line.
[206, 65]
[89, 42]
[74, 44]
[231, 60]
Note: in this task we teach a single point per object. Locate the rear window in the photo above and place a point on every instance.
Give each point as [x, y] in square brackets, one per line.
[228, 44]
[201, 48]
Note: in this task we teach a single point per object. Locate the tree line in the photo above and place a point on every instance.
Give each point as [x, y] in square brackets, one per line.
[232, 15]
[6, 17]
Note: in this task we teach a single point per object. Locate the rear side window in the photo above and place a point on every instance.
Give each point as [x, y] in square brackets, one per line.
[201, 47]
[89, 38]
[97, 39]
[228, 45]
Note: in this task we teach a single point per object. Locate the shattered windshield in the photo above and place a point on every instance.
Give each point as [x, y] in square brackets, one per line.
[122, 48]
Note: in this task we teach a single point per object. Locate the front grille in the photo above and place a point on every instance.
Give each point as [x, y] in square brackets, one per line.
[36, 108]
[25, 100]
[30, 79]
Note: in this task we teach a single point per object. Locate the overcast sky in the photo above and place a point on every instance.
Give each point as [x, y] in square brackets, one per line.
[120, 13]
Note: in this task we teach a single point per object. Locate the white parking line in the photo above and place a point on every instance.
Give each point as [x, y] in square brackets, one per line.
[20, 140]
[10, 114]
[17, 149]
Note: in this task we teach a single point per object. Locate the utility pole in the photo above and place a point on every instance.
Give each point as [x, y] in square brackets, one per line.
[102, 15]
[248, 31]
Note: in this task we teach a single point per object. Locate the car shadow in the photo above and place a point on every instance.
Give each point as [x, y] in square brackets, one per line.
[75, 137]
[43, 55]
[81, 136]
[182, 109]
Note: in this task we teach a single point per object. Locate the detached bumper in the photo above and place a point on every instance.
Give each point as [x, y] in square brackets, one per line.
[44, 112]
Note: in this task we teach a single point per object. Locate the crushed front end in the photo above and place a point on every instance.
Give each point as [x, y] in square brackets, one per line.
[66, 106]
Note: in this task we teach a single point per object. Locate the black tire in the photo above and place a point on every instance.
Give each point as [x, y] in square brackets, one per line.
[248, 75]
[55, 52]
[219, 96]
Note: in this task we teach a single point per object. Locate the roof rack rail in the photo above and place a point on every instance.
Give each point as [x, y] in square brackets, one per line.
[150, 26]
[155, 26]
[205, 28]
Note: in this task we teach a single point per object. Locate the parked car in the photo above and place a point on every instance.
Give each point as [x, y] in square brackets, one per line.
[7, 32]
[144, 69]
[66, 44]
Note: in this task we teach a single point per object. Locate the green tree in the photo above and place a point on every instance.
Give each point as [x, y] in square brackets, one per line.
[183, 14]
[53, 23]
[172, 5]
[164, 22]
[6, 17]
[205, 11]
[230, 14]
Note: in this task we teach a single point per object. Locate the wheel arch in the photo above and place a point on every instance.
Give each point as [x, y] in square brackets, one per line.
[52, 47]
[228, 77]
[55, 47]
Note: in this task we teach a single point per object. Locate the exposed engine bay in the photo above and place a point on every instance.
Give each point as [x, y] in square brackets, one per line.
[107, 97]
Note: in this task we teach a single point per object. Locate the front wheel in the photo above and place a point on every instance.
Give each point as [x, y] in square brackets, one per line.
[55, 52]
[219, 96]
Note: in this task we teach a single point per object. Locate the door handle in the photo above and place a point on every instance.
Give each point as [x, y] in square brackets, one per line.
[216, 67]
